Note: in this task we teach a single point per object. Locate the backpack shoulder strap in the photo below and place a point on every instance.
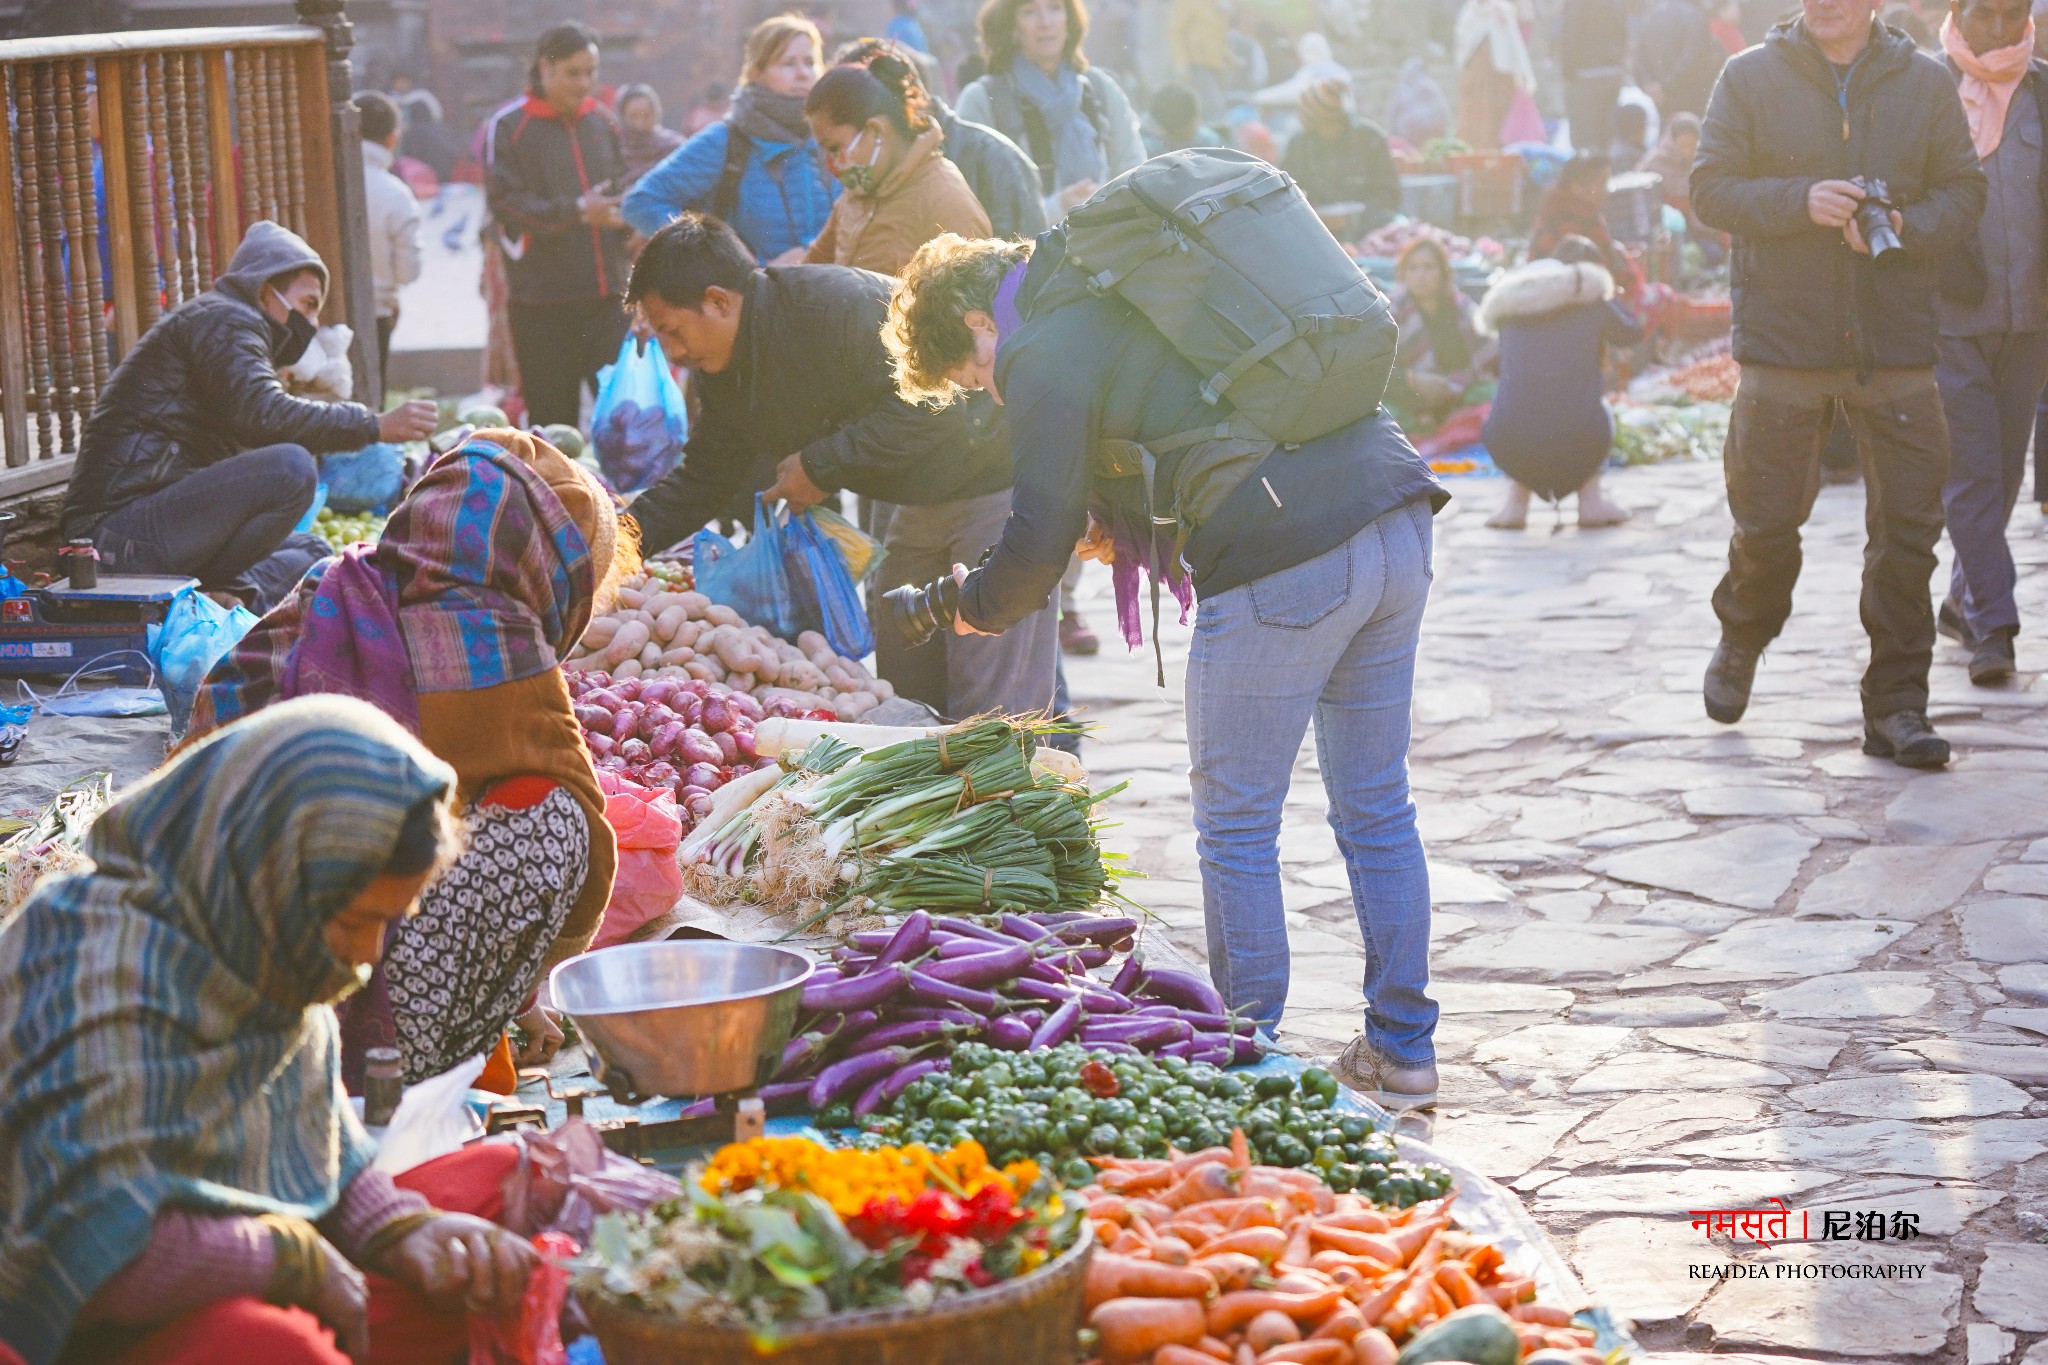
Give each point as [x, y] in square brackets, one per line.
[725, 196]
[1011, 111]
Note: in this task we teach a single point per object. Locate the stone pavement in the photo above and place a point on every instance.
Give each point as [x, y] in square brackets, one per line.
[1685, 966]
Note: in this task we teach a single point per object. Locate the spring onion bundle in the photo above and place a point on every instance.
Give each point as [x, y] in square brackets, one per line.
[960, 820]
[53, 843]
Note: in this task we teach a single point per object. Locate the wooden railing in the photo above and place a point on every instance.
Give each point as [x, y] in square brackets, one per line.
[132, 165]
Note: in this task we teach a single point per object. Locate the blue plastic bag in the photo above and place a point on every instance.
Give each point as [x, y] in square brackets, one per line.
[312, 517]
[749, 578]
[640, 421]
[196, 633]
[365, 480]
[790, 576]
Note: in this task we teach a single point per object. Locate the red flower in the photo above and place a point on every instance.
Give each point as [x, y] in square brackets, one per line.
[977, 1275]
[990, 1215]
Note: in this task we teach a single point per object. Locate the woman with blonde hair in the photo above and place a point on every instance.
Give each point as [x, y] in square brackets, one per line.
[758, 169]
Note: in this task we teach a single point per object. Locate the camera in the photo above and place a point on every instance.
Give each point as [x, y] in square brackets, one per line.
[920, 613]
[1874, 217]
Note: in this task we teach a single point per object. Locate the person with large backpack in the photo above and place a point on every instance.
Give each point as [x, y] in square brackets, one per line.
[758, 168]
[1191, 369]
[1040, 92]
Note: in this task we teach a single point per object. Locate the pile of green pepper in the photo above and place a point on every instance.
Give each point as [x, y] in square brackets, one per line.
[1060, 1105]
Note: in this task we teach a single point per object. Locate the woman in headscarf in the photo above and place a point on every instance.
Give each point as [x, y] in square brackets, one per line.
[757, 169]
[185, 1179]
[873, 121]
[1040, 92]
[1417, 112]
[1493, 67]
[453, 624]
[643, 138]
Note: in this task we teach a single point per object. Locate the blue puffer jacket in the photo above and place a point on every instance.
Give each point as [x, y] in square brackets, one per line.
[784, 193]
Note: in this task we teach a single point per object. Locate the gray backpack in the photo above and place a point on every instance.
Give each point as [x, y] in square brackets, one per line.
[1224, 255]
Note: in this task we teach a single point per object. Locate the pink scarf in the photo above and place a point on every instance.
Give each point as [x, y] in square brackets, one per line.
[1989, 82]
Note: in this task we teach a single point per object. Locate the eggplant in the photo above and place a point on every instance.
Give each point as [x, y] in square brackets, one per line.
[1186, 990]
[1056, 1030]
[786, 1097]
[912, 937]
[1030, 988]
[933, 991]
[967, 928]
[1097, 1001]
[854, 992]
[1139, 1033]
[1049, 972]
[933, 1013]
[900, 1080]
[1094, 955]
[1214, 1056]
[1010, 1033]
[1170, 1011]
[1016, 926]
[804, 1053]
[1030, 1018]
[856, 964]
[1098, 929]
[704, 1108]
[858, 1024]
[1052, 919]
[853, 1073]
[983, 969]
[909, 1033]
[1115, 1049]
[1182, 1050]
[1219, 1023]
[952, 945]
[871, 940]
[1247, 1048]
[1130, 975]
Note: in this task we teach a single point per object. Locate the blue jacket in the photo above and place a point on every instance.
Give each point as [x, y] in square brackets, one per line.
[784, 197]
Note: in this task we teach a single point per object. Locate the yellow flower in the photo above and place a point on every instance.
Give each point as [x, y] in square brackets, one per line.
[848, 1180]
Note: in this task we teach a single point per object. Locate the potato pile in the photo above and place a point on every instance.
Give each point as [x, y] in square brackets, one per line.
[659, 631]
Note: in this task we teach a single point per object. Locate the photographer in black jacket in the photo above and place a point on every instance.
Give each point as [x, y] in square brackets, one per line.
[799, 400]
[1832, 98]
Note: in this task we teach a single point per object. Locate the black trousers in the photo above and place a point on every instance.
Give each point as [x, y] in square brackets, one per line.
[1781, 422]
[561, 347]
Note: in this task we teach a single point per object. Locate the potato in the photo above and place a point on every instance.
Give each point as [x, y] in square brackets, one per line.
[721, 615]
[810, 642]
[626, 644]
[740, 682]
[599, 632]
[628, 669]
[676, 656]
[632, 597]
[669, 622]
[882, 690]
[696, 603]
[650, 655]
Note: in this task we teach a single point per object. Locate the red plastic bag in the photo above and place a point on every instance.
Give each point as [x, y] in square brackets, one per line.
[648, 882]
[533, 1335]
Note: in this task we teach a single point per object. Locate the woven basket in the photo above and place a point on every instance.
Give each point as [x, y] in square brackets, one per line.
[1030, 1320]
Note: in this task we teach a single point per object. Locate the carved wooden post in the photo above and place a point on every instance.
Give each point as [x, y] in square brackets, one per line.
[359, 291]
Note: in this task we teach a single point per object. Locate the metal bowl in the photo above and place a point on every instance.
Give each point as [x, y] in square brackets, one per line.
[683, 1017]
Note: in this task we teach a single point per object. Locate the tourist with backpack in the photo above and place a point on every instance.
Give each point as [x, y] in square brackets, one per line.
[1264, 480]
[1040, 92]
[758, 168]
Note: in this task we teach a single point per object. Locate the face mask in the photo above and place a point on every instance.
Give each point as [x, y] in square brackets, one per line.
[298, 335]
[861, 180]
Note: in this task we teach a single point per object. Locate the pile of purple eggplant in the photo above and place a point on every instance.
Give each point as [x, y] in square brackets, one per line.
[890, 1005]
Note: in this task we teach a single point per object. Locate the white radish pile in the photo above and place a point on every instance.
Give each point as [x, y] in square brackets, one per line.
[658, 630]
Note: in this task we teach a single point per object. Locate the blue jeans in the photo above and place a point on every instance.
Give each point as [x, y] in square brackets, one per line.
[1332, 640]
[1990, 390]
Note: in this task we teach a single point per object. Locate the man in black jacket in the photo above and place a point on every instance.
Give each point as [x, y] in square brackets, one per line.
[798, 401]
[1831, 96]
[196, 460]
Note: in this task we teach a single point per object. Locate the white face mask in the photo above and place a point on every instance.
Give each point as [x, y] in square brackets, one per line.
[861, 179]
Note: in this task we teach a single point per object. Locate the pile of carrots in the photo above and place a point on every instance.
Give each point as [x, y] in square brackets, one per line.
[1206, 1257]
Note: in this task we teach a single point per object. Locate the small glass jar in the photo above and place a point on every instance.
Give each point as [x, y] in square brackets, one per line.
[383, 1084]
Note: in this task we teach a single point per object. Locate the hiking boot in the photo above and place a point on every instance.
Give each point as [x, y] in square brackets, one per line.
[1991, 658]
[1949, 622]
[1729, 678]
[1906, 739]
[1392, 1087]
[1075, 637]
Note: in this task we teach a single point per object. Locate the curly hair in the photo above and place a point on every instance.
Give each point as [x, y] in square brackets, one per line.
[998, 24]
[927, 335]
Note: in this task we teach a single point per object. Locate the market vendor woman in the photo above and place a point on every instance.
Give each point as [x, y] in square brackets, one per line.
[453, 624]
[184, 1179]
[1312, 574]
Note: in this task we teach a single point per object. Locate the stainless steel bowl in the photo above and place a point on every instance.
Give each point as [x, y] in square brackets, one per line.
[683, 1017]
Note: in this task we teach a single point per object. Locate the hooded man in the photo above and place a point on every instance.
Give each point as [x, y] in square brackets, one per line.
[196, 460]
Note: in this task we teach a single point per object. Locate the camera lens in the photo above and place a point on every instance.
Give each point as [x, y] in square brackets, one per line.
[920, 613]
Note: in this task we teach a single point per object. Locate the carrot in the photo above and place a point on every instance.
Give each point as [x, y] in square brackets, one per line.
[1542, 1314]
[1343, 1323]
[1151, 1210]
[1440, 1302]
[1230, 1269]
[1170, 1250]
[1271, 1328]
[1374, 1347]
[1131, 1330]
[1194, 1236]
[1508, 1293]
[1106, 1231]
[1212, 1347]
[1232, 1311]
[1133, 1165]
[1210, 1180]
[1379, 1247]
[1380, 1297]
[1135, 1182]
[1300, 1281]
[1222, 1211]
[1408, 1306]
[1240, 1150]
[1530, 1336]
[1411, 1238]
[1568, 1338]
[1127, 1242]
[1264, 1243]
[1360, 1220]
[1459, 1284]
[1298, 1251]
[1485, 1262]
[1111, 1276]
[1345, 1278]
[1323, 1352]
[1246, 1355]
[1182, 1165]
[1330, 1262]
[1173, 1353]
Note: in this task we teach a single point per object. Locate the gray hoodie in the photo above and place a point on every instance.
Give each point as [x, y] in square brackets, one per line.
[267, 251]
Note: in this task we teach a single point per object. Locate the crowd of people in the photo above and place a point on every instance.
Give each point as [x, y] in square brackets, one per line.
[383, 825]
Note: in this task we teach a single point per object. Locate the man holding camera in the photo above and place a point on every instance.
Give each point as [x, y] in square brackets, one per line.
[1994, 323]
[1839, 158]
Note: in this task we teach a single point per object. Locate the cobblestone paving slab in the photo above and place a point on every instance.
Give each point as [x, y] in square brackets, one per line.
[1688, 966]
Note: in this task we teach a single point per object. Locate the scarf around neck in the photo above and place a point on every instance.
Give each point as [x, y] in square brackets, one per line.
[167, 1041]
[1077, 152]
[765, 116]
[1990, 79]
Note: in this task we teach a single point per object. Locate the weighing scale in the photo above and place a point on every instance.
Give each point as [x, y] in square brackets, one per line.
[59, 629]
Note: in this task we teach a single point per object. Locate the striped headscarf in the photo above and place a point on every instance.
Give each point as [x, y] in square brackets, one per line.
[167, 1040]
[485, 574]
